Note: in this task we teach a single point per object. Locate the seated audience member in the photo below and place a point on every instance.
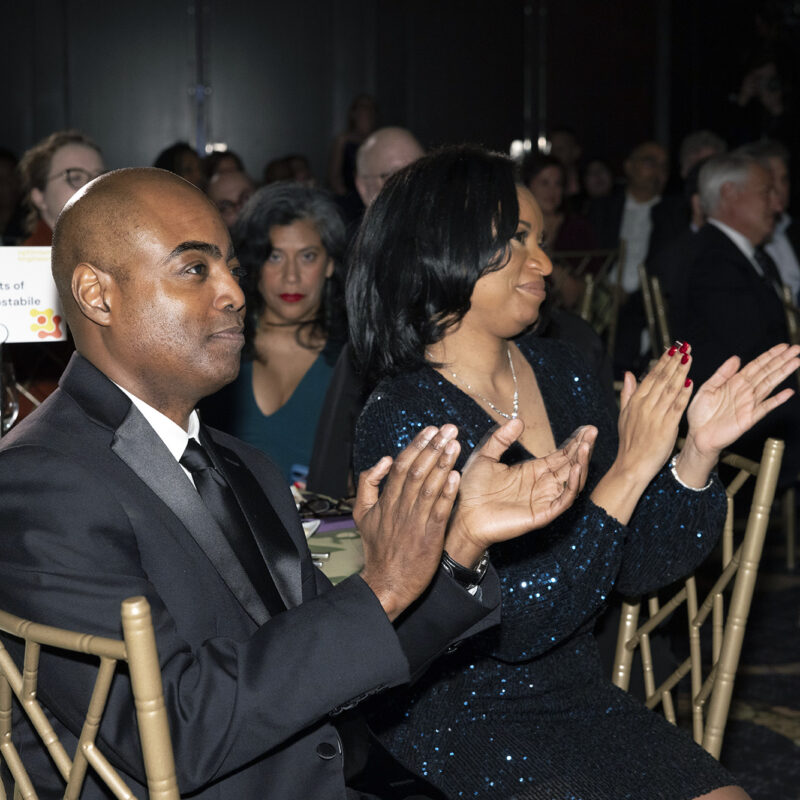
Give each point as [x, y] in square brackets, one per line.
[683, 217]
[597, 180]
[182, 159]
[10, 199]
[446, 272]
[629, 216]
[294, 167]
[668, 258]
[381, 155]
[52, 171]
[279, 169]
[229, 191]
[301, 169]
[676, 212]
[565, 147]
[219, 161]
[724, 290]
[698, 146]
[544, 175]
[784, 244]
[290, 239]
[107, 494]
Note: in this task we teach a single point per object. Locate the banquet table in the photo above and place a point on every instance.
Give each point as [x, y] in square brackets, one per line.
[336, 549]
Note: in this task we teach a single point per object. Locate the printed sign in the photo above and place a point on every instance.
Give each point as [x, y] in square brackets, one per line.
[29, 307]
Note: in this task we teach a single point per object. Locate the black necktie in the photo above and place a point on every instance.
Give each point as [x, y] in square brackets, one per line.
[769, 268]
[224, 507]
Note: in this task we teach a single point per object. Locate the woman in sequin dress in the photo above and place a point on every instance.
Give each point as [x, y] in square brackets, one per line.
[447, 270]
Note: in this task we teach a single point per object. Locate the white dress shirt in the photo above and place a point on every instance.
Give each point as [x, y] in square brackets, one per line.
[782, 252]
[174, 437]
[635, 229]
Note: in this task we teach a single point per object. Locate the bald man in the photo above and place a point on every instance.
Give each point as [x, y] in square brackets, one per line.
[229, 191]
[382, 154]
[104, 498]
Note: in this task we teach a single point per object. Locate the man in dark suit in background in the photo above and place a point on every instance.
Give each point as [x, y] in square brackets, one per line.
[630, 216]
[784, 243]
[114, 488]
[724, 292]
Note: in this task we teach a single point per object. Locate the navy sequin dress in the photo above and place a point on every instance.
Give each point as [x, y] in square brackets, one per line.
[523, 711]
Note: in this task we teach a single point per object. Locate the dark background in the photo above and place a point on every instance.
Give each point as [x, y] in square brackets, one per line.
[277, 77]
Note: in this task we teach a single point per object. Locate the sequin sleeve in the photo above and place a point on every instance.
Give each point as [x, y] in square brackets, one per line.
[671, 533]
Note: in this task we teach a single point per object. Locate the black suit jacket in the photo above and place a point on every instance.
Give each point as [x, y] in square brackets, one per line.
[723, 307]
[669, 217]
[720, 304]
[95, 509]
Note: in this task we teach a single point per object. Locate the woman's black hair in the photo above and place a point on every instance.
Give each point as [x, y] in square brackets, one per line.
[283, 203]
[437, 226]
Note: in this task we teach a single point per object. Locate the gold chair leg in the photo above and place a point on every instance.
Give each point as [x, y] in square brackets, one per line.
[788, 501]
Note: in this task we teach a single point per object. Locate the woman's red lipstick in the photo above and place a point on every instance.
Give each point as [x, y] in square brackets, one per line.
[291, 298]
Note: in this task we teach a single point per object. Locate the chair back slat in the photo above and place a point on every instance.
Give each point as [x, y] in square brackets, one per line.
[660, 310]
[138, 649]
[649, 311]
[599, 304]
[711, 684]
[151, 711]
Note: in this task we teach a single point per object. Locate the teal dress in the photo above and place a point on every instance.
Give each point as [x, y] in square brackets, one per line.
[286, 436]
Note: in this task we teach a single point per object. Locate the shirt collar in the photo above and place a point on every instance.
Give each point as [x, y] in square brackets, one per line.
[783, 222]
[739, 239]
[632, 202]
[173, 436]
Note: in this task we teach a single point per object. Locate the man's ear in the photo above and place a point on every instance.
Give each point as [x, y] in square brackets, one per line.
[92, 289]
[728, 193]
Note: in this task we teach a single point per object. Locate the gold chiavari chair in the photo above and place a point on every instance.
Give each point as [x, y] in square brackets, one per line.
[792, 313]
[138, 649]
[600, 302]
[660, 310]
[649, 310]
[711, 683]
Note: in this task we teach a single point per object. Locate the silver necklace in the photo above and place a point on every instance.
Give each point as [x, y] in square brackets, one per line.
[514, 403]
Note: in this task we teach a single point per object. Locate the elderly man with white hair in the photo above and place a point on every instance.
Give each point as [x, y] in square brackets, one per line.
[725, 290]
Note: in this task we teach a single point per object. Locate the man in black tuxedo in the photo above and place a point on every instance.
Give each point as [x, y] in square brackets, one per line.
[114, 488]
[724, 293]
[784, 243]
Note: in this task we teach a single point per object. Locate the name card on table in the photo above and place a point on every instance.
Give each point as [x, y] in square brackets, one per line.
[29, 307]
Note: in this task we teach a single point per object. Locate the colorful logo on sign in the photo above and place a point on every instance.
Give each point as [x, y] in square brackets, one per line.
[47, 323]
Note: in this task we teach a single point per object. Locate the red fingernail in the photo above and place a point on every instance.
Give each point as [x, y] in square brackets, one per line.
[688, 383]
[684, 359]
[684, 347]
[672, 351]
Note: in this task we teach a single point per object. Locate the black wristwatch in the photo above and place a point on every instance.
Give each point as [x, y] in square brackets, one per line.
[468, 578]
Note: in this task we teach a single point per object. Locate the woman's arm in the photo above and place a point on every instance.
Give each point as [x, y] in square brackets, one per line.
[648, 428]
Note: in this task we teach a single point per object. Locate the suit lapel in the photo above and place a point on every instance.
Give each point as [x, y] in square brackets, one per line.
[137, 444]
[276, 546]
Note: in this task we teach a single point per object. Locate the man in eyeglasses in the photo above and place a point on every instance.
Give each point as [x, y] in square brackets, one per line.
[52, 171]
